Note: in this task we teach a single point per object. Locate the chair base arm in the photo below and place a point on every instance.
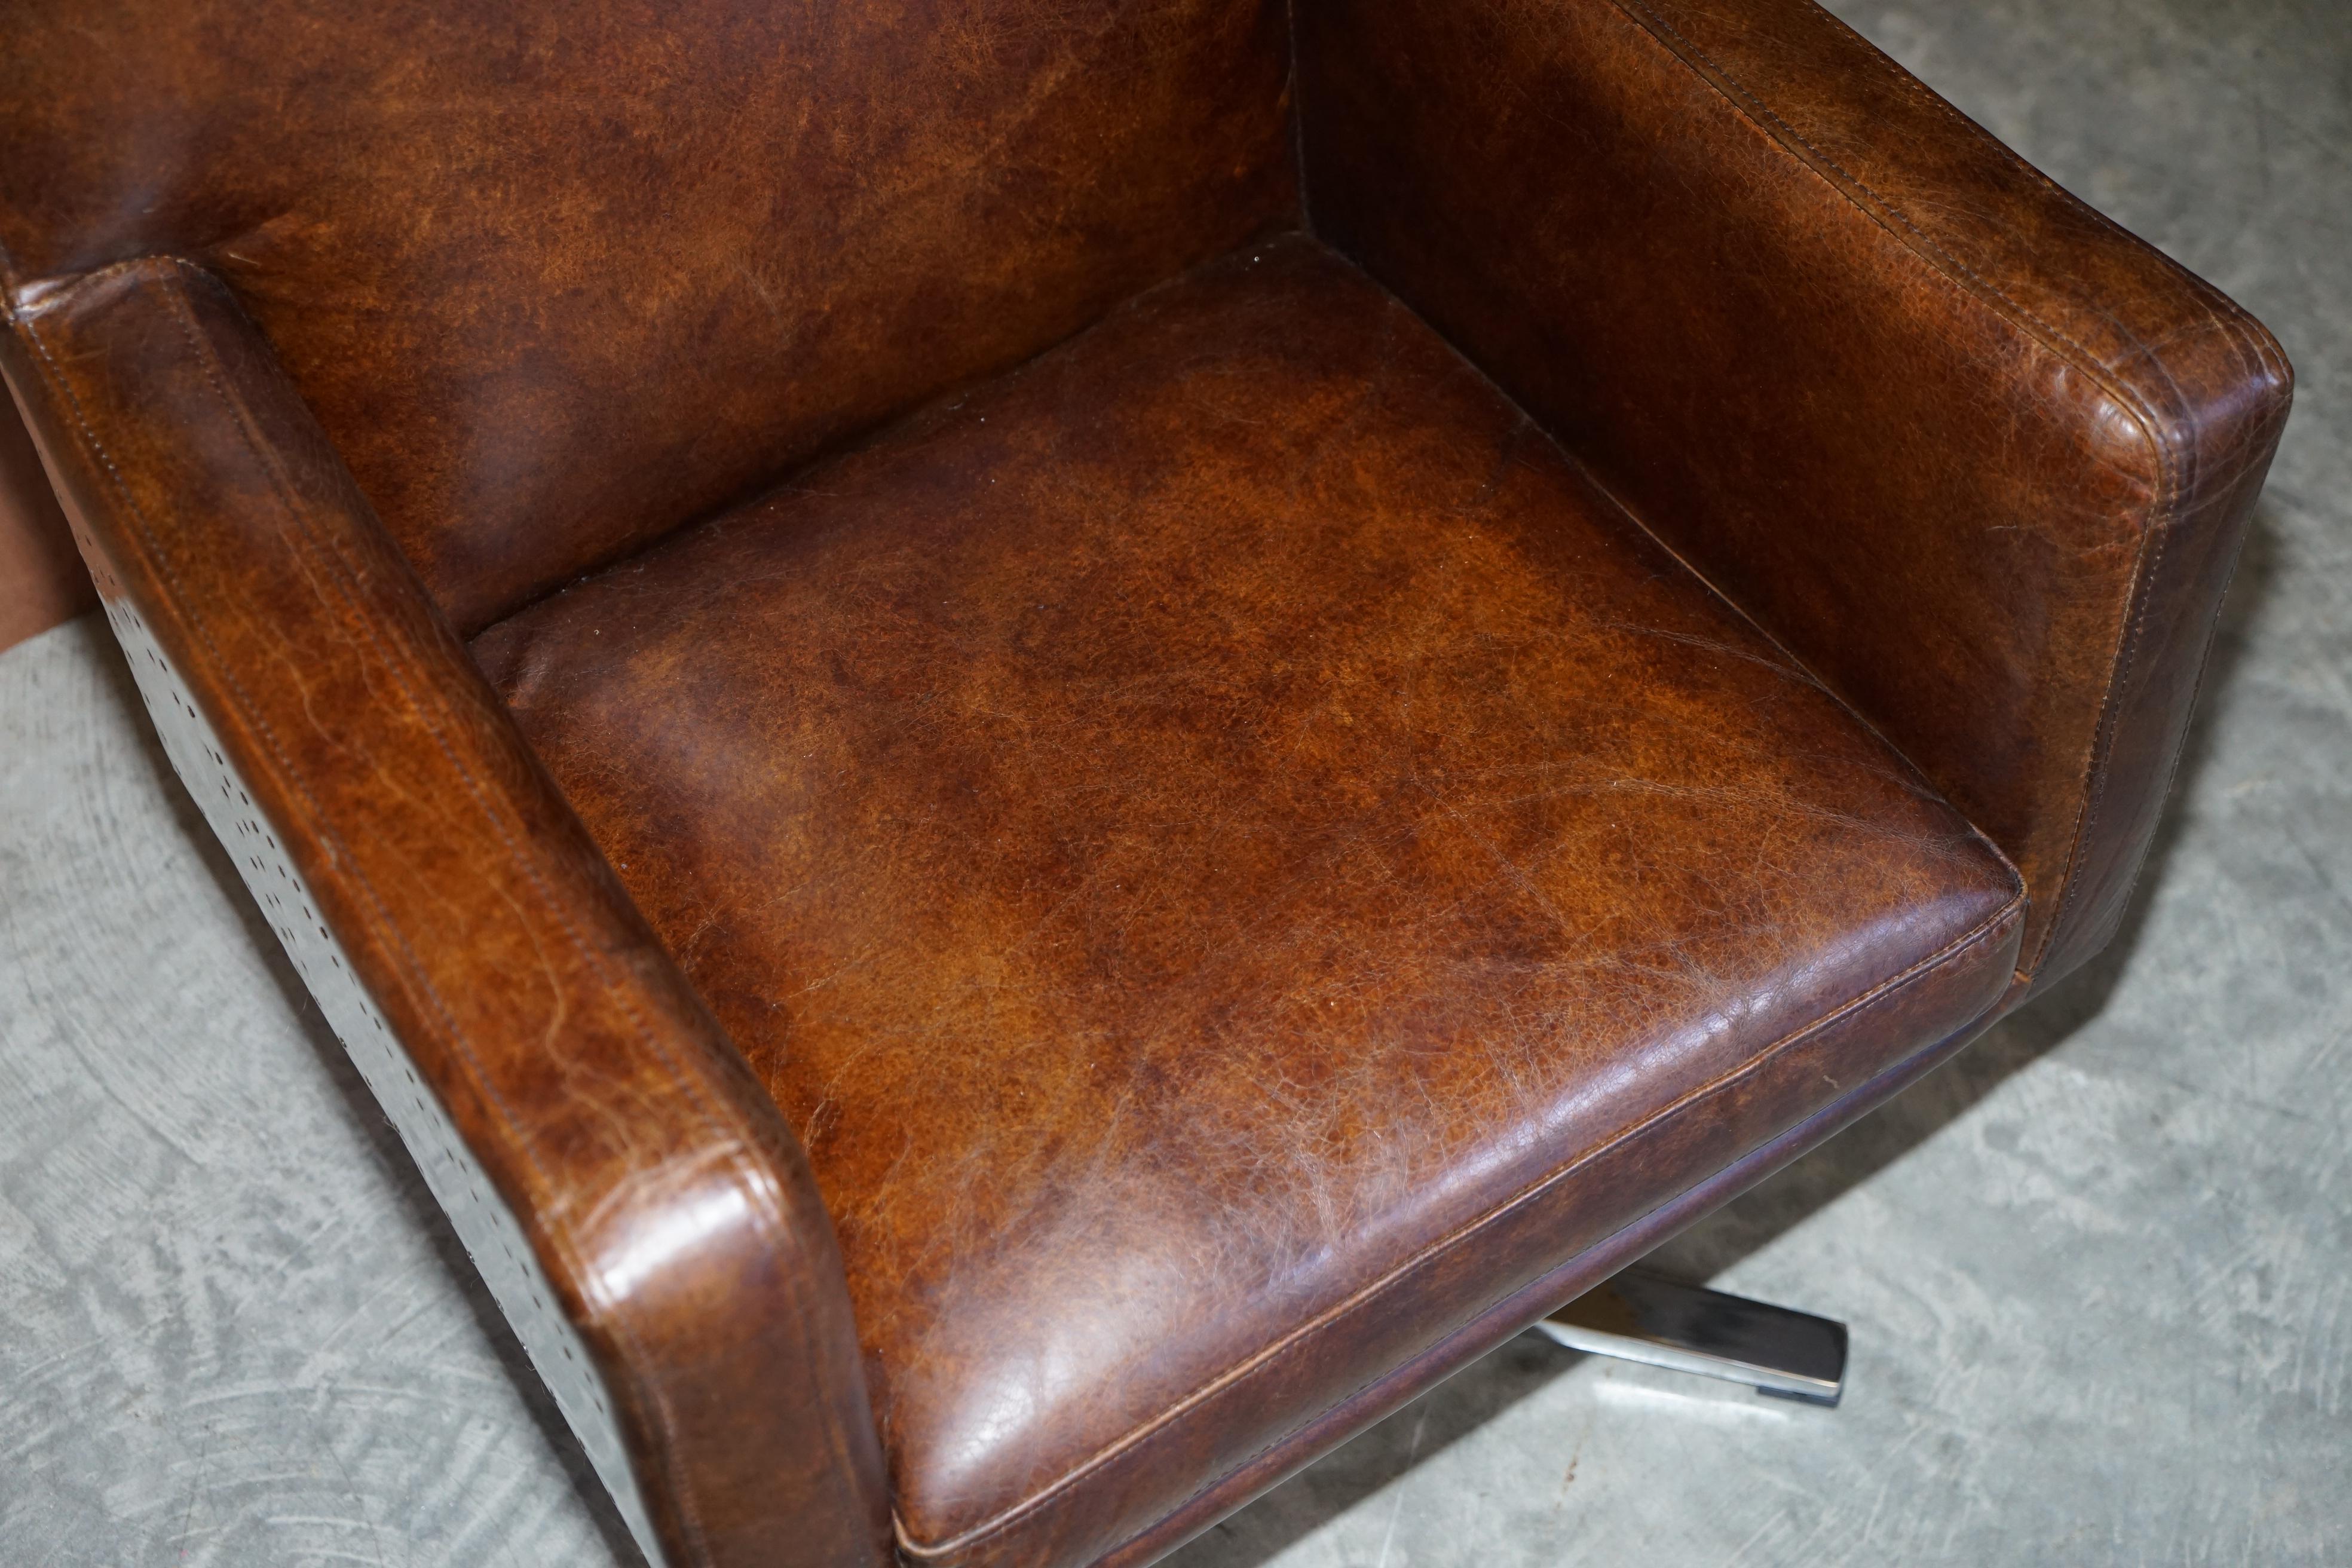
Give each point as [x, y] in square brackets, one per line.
[1640, 1316]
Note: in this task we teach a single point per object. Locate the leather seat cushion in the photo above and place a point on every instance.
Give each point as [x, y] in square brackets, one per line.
[1234, 855]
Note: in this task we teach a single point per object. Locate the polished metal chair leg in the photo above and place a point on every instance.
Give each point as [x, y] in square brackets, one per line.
[1637, 1316]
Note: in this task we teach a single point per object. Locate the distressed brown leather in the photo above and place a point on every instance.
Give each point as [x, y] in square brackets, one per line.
[665, 1200]
[1233, 856]
[1176, 886]
[557, 278]
[1978, 457]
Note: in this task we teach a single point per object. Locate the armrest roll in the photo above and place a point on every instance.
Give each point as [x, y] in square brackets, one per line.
[666, 1203]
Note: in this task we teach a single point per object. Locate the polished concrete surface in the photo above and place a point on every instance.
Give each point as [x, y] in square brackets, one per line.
[2099, 1271]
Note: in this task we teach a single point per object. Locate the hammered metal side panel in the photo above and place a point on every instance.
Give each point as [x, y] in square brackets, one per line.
[484, 1223]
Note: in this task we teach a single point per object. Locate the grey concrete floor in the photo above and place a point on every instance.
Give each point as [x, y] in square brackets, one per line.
[2099, 1271]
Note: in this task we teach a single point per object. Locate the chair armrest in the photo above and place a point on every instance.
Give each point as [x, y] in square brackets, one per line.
[315, 700]
[1976, 456]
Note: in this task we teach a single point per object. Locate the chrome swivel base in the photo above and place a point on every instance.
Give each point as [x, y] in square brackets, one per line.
[1639, 1317]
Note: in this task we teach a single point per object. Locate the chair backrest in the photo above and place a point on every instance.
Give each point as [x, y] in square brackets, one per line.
[558, 275]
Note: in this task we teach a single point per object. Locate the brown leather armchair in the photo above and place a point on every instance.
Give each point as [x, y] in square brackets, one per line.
[1042, 748]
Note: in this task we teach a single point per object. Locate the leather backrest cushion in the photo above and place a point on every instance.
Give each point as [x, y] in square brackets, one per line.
[556, 277]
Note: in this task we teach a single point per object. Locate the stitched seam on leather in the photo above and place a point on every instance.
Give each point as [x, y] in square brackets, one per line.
[2093, 788]
[1461, 1324]
[2196, 689]
[248, 712]
[1298, 119]
[66, 283]
[1751, 105]
[2226, 313]
[2143, 591]
[1259, 1360]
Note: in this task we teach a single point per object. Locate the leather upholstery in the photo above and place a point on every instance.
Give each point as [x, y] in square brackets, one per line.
[1233, 856]
[663, 1195]
[1976, 456]
[1163, 892]
[559, 278]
